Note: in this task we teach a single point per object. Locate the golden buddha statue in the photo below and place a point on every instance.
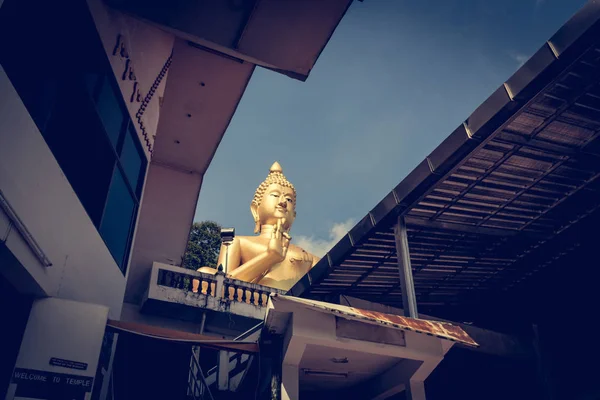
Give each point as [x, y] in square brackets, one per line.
[268, 259]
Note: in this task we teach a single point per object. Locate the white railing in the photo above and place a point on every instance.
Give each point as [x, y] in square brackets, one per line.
[217, 292]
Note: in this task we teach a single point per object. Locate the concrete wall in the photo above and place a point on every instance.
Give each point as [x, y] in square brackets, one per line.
[170, 191]
[148, 49]
[202, 92]
[33, 183]
[287, 36]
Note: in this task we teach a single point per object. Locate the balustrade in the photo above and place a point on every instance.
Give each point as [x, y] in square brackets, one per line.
[249, 293]
[188, 280]
[213, 285]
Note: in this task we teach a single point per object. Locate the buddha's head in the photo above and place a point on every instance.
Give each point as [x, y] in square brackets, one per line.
[274, 199]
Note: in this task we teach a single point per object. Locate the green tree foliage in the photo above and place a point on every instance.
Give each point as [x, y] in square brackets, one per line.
[203, 245]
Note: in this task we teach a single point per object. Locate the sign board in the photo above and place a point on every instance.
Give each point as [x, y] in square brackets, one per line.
[59, 362]
[59, 351]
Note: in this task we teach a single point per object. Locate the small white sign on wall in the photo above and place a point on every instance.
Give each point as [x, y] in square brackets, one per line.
[59, 352]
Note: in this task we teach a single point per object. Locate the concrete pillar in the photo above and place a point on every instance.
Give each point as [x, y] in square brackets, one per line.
[60, 350]
[290, 383]
[223, 371]
[415, 390]
[219, 286]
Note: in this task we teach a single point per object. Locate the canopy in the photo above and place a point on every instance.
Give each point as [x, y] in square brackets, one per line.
[510, 191]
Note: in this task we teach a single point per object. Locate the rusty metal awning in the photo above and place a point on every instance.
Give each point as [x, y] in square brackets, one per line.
[441, 330]
[172, 335]
[509, 192]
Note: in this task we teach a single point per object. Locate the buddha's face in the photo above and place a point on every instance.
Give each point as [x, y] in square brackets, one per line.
[278, 202]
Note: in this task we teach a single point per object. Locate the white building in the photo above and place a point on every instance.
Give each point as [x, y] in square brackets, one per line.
[110, 115]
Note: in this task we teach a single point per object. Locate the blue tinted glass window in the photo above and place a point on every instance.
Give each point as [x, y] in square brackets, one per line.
[87, 160]
[132, 160]
[110, 112]
[117, 219]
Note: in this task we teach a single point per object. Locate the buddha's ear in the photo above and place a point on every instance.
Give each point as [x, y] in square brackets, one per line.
[254, 211]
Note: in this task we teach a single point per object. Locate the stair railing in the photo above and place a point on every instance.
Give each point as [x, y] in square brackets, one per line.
[198, 388]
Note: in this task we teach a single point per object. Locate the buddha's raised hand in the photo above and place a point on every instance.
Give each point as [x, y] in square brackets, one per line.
[279, 242]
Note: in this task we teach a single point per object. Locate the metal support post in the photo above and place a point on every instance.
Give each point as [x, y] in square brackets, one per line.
[409, 300]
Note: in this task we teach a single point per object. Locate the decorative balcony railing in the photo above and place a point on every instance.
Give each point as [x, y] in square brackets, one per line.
[215, 292]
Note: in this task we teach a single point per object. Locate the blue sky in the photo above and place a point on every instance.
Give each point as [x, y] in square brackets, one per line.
[395, 79]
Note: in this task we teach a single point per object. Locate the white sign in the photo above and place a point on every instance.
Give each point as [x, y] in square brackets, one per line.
[59, 352]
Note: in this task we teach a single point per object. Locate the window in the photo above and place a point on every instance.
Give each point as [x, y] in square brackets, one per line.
[85, 137]
[110, 111]
[118, 218]
[77, 140]
[75, 101]
[132, 161]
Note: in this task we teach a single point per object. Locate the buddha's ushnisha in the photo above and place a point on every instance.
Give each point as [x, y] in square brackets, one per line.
[269, 259]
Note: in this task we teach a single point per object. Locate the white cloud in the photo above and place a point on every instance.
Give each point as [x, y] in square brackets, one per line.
[519, 58]
[318, 246]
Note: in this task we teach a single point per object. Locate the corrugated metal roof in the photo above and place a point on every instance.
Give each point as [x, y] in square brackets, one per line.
[494, 203]
[432, 328]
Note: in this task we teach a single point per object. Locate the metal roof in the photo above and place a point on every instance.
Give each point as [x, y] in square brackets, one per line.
[493, 204]
[442, 330]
